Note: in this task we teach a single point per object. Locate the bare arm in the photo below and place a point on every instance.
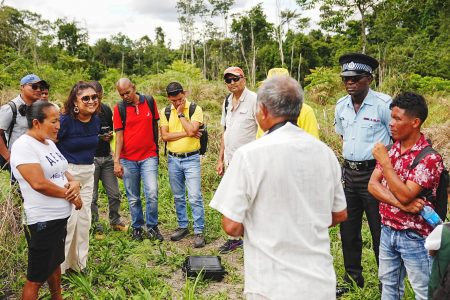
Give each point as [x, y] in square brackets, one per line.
[338, 217]
[383, 194]
[403, 192]
[232, 228]
[34, 175]
[3, 149]
[220, 169]
[167, 136]
[118, 169]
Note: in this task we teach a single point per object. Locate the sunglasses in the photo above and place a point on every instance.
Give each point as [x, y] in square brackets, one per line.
[85, 99]
[174, 93]
[353, 78]
[36, 86]
[232, 79]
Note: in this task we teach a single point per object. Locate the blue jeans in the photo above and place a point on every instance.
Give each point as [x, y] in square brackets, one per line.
[185, 172]
[133, 171]
[402, 252]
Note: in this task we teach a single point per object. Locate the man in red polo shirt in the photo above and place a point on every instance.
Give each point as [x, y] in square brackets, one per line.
[403, 192]
[136, 157]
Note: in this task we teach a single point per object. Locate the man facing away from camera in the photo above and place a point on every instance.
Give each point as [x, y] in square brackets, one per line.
[270, 195]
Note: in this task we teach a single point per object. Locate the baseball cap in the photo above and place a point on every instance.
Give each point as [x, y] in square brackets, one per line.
[234, 71]
[30, 78]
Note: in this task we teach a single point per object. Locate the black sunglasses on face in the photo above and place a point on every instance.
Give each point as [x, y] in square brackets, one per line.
[85, 99]
[36, 86]
[353, 78]
[231, 79]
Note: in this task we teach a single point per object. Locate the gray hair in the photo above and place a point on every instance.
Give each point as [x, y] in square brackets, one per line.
[283, 97]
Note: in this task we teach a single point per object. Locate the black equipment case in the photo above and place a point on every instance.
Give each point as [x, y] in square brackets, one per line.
[210, 266]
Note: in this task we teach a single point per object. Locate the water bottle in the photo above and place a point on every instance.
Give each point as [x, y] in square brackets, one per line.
[430, 216]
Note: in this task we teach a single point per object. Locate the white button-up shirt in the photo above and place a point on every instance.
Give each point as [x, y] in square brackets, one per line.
[283, 188]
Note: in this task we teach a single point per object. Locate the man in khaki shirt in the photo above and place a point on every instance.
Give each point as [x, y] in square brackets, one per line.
[240, 127]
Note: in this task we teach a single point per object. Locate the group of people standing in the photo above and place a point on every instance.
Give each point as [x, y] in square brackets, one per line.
[282, 188]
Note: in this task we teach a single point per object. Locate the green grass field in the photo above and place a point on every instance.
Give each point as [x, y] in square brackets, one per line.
[119, 268]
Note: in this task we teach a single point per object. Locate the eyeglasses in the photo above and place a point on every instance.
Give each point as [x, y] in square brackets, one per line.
[231, 79]
[36, 86]
[354, 79]
[85, 99]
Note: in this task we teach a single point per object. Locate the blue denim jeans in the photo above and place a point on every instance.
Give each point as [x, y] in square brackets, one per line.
[133, 172]
[185, 172]
[402, 252]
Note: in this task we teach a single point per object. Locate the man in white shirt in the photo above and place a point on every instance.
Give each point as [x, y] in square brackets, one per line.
[270, 195]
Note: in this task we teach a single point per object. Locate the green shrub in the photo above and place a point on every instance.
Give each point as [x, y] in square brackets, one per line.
[324, 85]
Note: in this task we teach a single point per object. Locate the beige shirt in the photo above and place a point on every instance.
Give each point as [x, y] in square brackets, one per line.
[241, 125]
[272, 188]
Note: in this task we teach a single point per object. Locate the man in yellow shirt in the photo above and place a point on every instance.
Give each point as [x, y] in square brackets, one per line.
[182, 134]
[306, 120]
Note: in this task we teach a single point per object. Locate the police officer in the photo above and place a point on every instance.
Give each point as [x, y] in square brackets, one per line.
[362, 119]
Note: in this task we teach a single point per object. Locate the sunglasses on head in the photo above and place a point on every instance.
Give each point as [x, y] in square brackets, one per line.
[353, 78]
[36, 86]
[174, 93]
[231, 79]
[85, 99]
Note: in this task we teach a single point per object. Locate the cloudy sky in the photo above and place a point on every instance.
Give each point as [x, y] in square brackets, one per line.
[134, 18]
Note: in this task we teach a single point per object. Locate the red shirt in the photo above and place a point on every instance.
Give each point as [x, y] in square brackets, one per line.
[426, 174]
[138, 142]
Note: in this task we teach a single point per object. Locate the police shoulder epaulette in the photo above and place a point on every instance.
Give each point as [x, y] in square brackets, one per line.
[383, 97]
[342, 99]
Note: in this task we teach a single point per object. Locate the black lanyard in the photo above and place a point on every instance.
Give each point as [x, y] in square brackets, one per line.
[279, 125]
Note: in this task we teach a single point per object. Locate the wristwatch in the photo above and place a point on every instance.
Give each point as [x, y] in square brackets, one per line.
[181, 116]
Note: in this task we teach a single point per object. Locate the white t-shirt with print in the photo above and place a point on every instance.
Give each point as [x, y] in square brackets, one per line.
[283, 188]
[39, 207]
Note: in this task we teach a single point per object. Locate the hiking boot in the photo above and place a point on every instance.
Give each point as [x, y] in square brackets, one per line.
[154, 234]
[199, 241]
[119, 227]
[179, 234]
[230, 245]
[137, 234]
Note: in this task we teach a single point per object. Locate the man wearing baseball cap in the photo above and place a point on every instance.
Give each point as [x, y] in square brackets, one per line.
[240, 127]
[13, 122]
[361, 119]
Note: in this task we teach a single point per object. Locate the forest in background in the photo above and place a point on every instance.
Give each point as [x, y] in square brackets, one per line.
[411, 39]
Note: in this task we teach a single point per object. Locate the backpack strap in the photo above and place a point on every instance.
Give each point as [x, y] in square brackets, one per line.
[13, 120]
[122, 112]
[167, 114]
[151, 104]
[424, 152]
[192, 108]
[226, 109]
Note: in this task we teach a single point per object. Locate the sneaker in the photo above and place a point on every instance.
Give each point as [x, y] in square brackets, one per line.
[98, 228]
[230, 245]
[119, 227]
[341, 290]
[199, 241]
[137, 234]
[179, 234]
[154, 234]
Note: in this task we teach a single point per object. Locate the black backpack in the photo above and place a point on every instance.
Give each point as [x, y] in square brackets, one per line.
[151, 104]
[4, 165]
[441, 200]
[202, 128]
[226, 109]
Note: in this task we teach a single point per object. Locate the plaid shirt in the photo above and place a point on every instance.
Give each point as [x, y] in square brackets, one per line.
[426, 174]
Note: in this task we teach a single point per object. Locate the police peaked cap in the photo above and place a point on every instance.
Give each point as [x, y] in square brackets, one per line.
[354, 64]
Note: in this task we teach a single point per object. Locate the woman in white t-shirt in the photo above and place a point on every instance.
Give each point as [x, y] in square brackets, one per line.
[49, 192]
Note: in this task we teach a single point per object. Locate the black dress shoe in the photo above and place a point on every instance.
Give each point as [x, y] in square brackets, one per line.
[341, 290]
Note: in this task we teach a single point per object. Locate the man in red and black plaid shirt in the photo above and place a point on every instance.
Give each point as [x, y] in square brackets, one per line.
[398, 188]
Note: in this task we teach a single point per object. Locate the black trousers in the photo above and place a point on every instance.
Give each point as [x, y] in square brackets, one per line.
[359, 200]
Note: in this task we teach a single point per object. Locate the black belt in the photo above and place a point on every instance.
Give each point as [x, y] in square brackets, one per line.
[184, 155]
[360, 165]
